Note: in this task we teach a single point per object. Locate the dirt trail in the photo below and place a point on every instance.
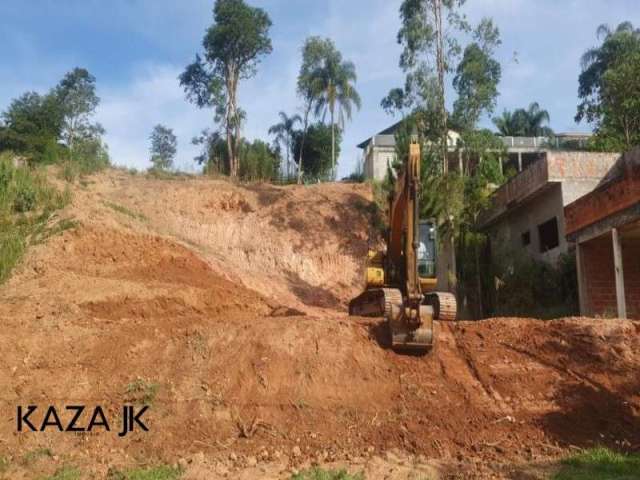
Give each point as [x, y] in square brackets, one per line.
[223, 307]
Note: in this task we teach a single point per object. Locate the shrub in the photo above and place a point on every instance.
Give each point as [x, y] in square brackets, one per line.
[529, 287]
[27, 203]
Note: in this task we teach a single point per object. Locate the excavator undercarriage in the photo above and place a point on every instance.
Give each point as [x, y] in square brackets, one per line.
[401, 281]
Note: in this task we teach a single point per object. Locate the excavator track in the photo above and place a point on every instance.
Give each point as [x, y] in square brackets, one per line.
[388, 303]
[444, 305]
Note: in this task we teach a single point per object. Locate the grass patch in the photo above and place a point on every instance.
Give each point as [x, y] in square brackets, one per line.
[154, 473]
[599, 464]
[36, 454]
[125, 211]
[64, 473]
[142, 391]
[27, 206]
[4, 464]
[321, 474]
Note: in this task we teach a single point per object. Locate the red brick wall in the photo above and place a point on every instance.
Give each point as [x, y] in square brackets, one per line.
[597, 258]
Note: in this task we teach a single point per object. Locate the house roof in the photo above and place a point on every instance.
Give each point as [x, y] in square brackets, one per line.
[387, 131]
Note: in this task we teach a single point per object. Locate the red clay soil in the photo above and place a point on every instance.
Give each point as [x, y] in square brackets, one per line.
[133, 308]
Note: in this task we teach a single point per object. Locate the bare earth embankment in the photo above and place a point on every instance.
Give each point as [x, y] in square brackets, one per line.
[223, 307]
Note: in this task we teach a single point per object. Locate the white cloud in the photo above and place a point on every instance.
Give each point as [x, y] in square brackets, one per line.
[152, 96]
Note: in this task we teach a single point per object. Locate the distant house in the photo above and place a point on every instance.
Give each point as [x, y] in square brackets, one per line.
[379, 151]
[605, 226]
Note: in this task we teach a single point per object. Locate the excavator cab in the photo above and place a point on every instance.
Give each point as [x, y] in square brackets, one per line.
[427, 250]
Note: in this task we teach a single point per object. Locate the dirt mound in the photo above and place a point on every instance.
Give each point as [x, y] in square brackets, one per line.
[222, 306]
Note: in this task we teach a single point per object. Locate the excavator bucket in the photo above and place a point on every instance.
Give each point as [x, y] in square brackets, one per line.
[405, 335]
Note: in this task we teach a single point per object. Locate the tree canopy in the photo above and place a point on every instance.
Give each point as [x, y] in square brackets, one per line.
[233, 46]
[530, 122]
[477, 77]
[317, 150]
[608, 88]
[164, 146]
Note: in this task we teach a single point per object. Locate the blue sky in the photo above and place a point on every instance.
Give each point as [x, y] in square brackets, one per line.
[137, 48]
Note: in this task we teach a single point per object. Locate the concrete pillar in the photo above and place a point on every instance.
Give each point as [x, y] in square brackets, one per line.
[617, 262]
[519, 161]
[582, 284]
[501, 165]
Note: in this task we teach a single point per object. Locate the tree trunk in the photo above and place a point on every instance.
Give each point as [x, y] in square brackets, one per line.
[440, 61]
[288, 160]
[478, 280]
[333, 148]
[304, 137]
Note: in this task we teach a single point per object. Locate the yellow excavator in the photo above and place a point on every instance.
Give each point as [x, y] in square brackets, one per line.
[401, 282]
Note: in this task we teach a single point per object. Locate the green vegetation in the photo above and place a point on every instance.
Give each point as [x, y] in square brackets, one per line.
[164, 146]
[608, 88]
[56, 127]
[335, 94]
[153, 473]
[27, 211]
[315, 149]
[600, 464]
[257, 160]
[283, 132]
[527, 287]
[320, 474]
[530, 122]
[142, 391]
[4, 464]
[125, 211]
[65, 473]
[36, 454]
[233, 44]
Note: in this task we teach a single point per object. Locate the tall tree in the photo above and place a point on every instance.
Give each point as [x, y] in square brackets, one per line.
[619, 125]
[284, 134]
[164, 146]
[477, 77]
[233, 47]
[616, 44]
[335, 80]
[427, 41]
[76, 94]
[314, 50]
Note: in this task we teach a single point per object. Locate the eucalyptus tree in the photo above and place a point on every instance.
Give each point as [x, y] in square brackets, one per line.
[429, 46]
[233, 46]
[477, 77]
[76, 95]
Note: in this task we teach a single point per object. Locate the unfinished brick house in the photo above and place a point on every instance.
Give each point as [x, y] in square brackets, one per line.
[526, 216]
[605, 226]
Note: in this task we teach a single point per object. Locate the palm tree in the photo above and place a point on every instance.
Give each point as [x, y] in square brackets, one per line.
[536, 117]
[335, 79]
[284, 133]
[524, 123]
